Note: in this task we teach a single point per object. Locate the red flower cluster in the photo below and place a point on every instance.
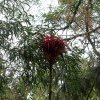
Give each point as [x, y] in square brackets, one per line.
[52, 46]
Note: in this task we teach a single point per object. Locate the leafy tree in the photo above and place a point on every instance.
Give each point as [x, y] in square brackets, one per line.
[24, 71]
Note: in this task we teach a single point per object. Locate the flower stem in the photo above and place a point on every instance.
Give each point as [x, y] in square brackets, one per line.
[50, 82]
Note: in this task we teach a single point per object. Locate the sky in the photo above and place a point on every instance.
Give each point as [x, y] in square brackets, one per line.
[45, 4]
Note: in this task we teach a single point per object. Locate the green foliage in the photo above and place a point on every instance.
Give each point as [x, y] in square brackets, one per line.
[24, 71]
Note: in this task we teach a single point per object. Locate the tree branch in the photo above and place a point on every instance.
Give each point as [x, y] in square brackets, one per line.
[87, 23]
[79, 35]
[94, 82]
[74, 14]
[50, 82]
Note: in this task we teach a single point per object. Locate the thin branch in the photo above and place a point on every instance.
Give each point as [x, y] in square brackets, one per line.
[92, 44]
[88, 7]
[50, 82]
[74, 14]
[96, 78]
[72, 19]
[79, 35]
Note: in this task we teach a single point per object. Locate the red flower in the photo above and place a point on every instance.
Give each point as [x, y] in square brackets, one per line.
[53, 46]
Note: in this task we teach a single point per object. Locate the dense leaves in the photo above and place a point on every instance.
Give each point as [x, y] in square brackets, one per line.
[24, 71]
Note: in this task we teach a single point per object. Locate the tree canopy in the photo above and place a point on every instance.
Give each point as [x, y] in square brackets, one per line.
[24, 71]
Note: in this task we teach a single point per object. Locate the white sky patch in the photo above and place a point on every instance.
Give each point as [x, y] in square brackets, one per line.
[47, 3]
[2, 17]
[37, 10]
[44, 6]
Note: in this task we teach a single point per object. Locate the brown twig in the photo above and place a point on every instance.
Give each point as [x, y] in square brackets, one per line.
[96, 78]
[88, 8]
[74, 14]
[73, 17]
[79, 35]
[50, 82]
